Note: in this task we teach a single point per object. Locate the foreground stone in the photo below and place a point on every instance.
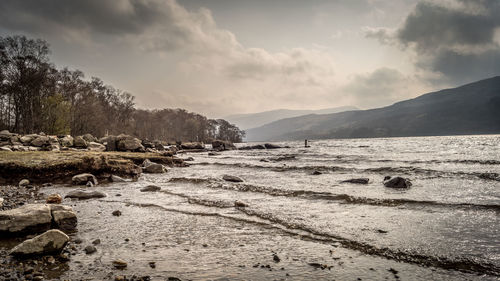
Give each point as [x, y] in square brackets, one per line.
[150, 188]
[33, 218]
[49, 242]
[357, 181]
[83, 179]
[81, 194]
[54, 199]
[232, 178]
[397, 182]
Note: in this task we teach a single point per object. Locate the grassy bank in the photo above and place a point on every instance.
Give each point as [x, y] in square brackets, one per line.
[59, 166]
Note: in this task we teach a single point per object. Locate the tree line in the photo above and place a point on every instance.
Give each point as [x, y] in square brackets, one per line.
[37, 97]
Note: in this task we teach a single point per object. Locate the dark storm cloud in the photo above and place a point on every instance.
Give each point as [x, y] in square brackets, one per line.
[104, 16]
[454, 38]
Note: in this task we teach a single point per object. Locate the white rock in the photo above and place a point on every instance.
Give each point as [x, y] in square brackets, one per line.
[48, 242]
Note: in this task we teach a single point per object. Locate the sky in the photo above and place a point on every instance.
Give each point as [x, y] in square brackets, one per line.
[222, 57]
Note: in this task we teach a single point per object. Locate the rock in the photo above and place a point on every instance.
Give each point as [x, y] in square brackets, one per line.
[32, 218]
[54, 199]
[240, 204]
[271, 146]
[5, 148]
[189, 159]
[150, 188]
[119, 264]
[81, 194]
[117, 213]
[66, 141]
[316, 173]
[109, 142]
[152, 264]
[40, 141]
[79, 142]
[213, 154]
[27, 139]
[1, 202]
[397, 182]
[128, 143]
[232, 178]
[94, 146]
[147, 163]
[63, 217]
[276, 258]
[89, 138]
[155, 169]
[223, 145]
[114, 178]
[357, 181]
[96, 242]
[192, 145]
[27, 219]
[90, 249]
[24, 183]
[49, 242]
[82, 179]
[89, 184]
[257, 146]
[53, 147]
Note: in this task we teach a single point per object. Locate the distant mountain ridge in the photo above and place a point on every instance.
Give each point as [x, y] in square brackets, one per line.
[252, 120]
[470, 109]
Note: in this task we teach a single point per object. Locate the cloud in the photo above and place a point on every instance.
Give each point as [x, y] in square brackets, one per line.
[457, 39]
[382, 87]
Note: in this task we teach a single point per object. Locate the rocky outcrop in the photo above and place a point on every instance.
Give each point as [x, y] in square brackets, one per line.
[49, 242]
[82, 194]
[192, 145]
[33, 218]
[222, 145]
[232, 178]
[83, 179]
[397, 182]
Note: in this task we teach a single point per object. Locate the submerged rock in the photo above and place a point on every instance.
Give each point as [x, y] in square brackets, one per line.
[155, 168]
[83, 179]
[114, 178]
[397, 182]
[90, 249]
[357, 181]
[81, 194]
[150, 188]
[49, 242]
[232, 178]
[316, 173]
[117, 213]
[240, 204]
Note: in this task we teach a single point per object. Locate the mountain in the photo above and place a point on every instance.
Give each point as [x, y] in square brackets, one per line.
[470, 109]
[252, 120]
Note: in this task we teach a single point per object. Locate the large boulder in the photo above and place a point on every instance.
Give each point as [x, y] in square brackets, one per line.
[192, 145]
[51, 241]
[27, 139]
[63, 217]
[82, 179]
[40, 141]
[128, 143]
[80, 142]
[82, 194]
[26, 219]
[89, 138]
[66, 141]
[397, 182]
[109, 142]
[95, 146]
[223, 145]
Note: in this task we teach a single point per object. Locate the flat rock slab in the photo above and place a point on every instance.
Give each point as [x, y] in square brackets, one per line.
[82, 194]
[48, 242]
[33, 218]
[357, 181]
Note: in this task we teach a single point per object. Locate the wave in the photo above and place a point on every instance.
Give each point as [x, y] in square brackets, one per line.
[342, 198]
[266, 220]
[406, 170]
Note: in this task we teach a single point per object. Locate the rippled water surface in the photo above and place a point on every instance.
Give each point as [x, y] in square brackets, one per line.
[445, 227]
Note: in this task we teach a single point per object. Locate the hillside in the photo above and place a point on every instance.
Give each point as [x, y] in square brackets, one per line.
[252, 120]
[470, 109]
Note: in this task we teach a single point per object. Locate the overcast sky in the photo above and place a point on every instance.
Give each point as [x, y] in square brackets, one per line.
[220, 57]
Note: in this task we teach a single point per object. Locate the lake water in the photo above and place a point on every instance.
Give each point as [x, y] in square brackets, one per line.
[445, 227]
